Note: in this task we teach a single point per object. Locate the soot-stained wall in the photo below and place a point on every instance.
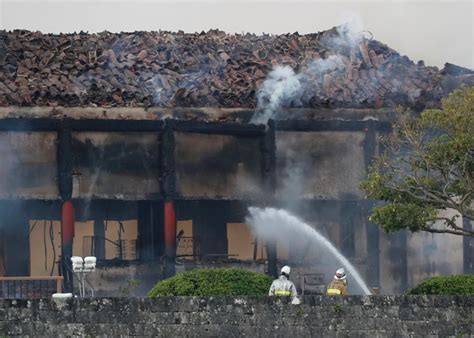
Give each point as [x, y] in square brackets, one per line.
[123, 165]
[28, 165]
[217, 166]
[320, 165]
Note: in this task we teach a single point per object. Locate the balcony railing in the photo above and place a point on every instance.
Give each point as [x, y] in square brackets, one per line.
[22, 287]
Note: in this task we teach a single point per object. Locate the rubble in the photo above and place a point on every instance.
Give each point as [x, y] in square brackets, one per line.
[207, 69]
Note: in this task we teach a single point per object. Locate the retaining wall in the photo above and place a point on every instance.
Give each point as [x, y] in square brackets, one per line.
[317, 316]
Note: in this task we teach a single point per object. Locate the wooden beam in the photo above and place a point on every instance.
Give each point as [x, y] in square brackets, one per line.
[269, 161]
[223, 128]
[330, 125]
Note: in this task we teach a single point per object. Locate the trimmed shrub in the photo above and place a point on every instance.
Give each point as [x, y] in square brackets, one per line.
[213, 282]
[445, 285]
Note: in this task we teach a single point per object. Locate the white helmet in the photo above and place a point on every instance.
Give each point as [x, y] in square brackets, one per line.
[286, 270]
[340, 274]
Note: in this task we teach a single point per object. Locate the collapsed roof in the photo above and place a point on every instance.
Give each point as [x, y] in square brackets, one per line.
[332, 69]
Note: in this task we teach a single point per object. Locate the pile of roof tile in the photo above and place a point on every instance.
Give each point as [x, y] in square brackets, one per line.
[211, 69]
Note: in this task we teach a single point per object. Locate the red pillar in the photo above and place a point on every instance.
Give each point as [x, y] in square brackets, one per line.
[170, 238]
[67, 224]
[67, 236]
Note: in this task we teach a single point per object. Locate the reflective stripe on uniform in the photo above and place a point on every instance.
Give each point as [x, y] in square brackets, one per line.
[282, 293]
[333, 292]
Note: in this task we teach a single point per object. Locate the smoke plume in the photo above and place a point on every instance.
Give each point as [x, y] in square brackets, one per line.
[281, 86]
[345, 72]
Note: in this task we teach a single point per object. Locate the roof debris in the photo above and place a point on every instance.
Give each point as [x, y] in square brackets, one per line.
[208, 69]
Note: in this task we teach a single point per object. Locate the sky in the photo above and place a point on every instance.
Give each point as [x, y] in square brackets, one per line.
[435, 31]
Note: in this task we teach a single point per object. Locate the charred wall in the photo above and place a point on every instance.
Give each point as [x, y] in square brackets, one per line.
[119, 178]
[217, 166]
[29, 165]
[320, 165]
[110, 165]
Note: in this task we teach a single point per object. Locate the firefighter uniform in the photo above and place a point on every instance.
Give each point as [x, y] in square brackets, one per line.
[282, 287]
[337, 287]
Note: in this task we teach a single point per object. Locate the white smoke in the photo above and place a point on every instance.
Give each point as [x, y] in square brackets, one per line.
[280, 87]
[322, 78]
[350, 31]
[284, 87]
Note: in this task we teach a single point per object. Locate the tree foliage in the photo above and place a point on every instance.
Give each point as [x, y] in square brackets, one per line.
[445, 285]
[427, 166]
[214, 282]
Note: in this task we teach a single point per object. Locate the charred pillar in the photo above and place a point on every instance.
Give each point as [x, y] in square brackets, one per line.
[99, 239]
[373, 254]
[168, 188]
[67, 212]
[210, 228]
[348, 221]
[269, 181]
[150, 235]
[372, 230]
[14, 237]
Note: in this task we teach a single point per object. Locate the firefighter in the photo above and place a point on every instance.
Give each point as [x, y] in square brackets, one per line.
[283, 286]
[338, 285]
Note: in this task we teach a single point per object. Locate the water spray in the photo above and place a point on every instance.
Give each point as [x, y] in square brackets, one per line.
[279, 225]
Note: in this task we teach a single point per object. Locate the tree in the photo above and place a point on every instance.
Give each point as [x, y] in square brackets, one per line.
[427, 166]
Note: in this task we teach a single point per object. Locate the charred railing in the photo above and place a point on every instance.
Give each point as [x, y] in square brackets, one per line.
[22, 287]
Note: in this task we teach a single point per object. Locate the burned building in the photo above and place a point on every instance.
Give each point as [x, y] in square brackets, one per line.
[140, 148]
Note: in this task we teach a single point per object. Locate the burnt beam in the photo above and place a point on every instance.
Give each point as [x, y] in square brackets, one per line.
[269, 160]
[65, 160]
[116, 125]
[168, 165]
[331, 125]
[65, 166]
[225, 128]
[17, 124]
[269, 182]
[52, 124]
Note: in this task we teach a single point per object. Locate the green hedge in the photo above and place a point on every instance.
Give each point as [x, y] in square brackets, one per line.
[213, 282]
[445, 285]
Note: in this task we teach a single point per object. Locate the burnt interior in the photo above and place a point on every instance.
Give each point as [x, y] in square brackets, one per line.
[211, 171]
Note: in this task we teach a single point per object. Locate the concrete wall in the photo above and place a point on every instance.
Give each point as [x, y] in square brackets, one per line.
[317, 316]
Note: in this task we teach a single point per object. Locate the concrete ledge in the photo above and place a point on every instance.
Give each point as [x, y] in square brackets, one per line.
[353, 316]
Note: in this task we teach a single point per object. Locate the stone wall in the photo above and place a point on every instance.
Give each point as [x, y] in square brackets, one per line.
[317, 316]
